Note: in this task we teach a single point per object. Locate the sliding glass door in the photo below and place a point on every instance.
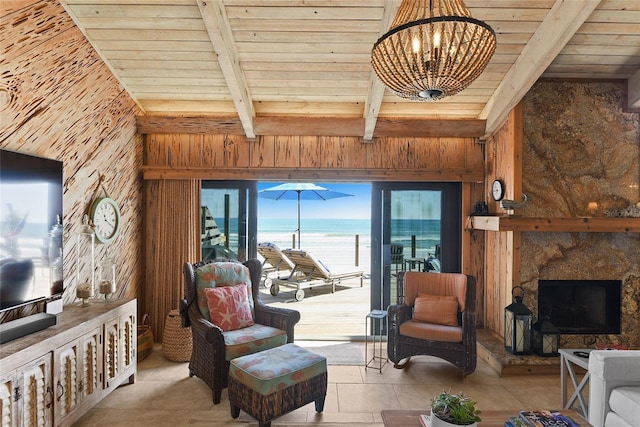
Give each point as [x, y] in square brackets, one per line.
[414, 226]
[228, 219]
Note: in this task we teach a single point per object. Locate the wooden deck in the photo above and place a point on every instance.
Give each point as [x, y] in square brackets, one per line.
[325, 315]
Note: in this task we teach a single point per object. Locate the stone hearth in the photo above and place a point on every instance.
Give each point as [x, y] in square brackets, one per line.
[491, 350]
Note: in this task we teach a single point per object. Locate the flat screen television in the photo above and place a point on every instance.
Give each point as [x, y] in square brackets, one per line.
[31, 192]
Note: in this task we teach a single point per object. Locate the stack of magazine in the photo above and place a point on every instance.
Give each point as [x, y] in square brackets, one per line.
[541, 419]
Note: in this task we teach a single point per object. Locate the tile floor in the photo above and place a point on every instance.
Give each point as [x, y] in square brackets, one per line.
[164, 395]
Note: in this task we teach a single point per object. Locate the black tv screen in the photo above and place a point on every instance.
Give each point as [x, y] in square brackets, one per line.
[31, 192]
[581, 306]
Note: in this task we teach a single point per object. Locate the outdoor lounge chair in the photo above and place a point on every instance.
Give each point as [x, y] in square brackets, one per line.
[308, 271]
[274, 260]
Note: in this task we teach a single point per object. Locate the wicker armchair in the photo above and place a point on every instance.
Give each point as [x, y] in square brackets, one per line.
[208, 358]
[408, 337]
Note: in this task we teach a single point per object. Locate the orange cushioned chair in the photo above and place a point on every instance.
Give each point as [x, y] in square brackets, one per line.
[435, 316]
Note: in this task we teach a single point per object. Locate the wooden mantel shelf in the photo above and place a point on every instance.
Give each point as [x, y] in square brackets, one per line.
[571, 225]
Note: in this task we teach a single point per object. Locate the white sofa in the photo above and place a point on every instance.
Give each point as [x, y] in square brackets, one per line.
[614, 388]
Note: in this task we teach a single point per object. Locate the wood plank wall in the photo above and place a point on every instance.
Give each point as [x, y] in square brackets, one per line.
[59, 100]
[177, 157]
[502, 249]
[180, 156]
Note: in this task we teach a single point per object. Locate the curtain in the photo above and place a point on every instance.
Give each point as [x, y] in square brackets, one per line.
[172, 237]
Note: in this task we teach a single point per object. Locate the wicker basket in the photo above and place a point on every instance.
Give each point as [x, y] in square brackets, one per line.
[145, 338]
[176, 340]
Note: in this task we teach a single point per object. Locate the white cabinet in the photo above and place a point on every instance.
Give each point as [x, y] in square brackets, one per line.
[120, 342]
[26, 397]
[77, 370]
[86, 355]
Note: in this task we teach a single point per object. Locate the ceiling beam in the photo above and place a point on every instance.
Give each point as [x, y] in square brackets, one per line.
[633, 91]
[321, 126]
[560, 24]
[376, 88]
[219, 29]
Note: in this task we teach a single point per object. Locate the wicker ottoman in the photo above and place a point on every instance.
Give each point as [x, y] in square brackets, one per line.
[274, 382]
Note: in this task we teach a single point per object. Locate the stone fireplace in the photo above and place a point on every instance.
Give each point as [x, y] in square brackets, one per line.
[581, 306]
[581, 157]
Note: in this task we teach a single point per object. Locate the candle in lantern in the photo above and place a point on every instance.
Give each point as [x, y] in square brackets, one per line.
[519, 335]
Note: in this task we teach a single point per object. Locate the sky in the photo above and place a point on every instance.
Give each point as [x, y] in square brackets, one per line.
[357, 206]
[26, 198]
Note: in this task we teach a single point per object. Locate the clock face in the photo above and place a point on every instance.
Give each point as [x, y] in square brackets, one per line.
[497, 190]
[105, 216]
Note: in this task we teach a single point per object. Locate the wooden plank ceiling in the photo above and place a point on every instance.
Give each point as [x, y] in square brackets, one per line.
[266, 66]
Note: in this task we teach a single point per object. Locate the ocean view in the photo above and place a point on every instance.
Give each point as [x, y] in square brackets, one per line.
[334, 240]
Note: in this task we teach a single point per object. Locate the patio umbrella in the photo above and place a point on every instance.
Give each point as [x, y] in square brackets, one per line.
[300, 191]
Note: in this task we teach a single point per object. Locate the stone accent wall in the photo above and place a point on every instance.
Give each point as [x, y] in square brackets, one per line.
[581, 157]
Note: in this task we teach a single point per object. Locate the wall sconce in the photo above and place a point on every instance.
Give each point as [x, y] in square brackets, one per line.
[517, 325]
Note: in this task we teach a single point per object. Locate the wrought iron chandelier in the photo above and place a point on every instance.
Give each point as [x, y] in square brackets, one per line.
[433, 49]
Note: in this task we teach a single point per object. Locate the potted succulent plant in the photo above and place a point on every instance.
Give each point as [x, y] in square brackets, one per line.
[449, 409]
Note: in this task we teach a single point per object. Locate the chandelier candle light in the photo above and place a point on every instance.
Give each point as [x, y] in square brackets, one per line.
[433, 49]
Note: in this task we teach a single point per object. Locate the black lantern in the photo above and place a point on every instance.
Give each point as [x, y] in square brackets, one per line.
[545, 336]
[517, 325]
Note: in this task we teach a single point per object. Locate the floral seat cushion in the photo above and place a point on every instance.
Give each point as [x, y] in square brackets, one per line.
[252, 339]
[277, 369]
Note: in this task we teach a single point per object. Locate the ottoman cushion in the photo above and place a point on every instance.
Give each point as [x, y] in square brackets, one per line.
[278, 368]
[252, 339]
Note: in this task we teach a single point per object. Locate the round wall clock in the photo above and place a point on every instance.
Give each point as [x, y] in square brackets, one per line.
[105, 216]
[497, 190]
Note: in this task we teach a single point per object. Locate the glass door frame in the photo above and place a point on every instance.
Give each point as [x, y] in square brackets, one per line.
[451, 234]
[248, 218]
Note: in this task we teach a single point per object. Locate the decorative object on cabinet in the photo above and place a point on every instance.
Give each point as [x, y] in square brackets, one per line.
[85, 261]
[107, 278]
[54, 257]
[517, 325]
